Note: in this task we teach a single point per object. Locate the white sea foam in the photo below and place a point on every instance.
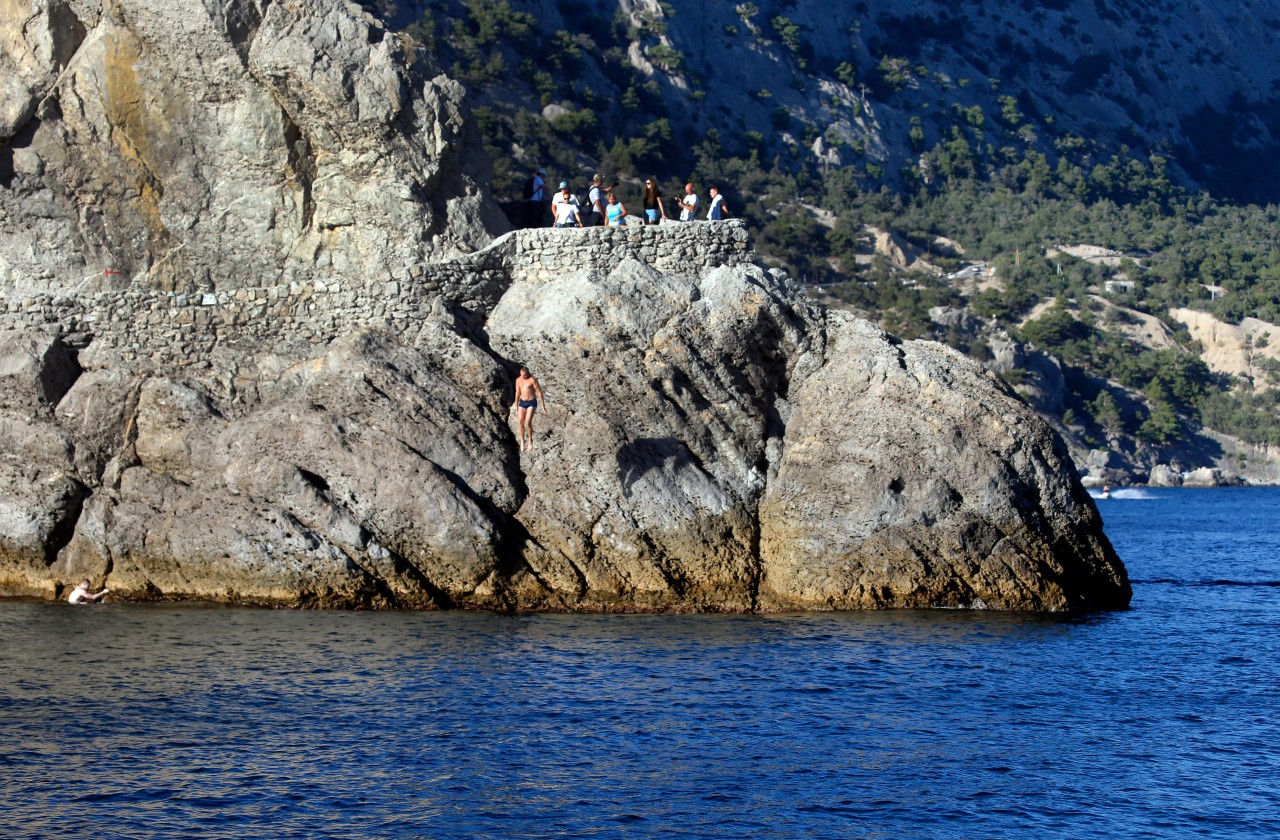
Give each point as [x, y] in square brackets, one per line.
[1126, 493]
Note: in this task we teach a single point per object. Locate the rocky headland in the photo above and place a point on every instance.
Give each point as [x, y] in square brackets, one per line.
[258, 322]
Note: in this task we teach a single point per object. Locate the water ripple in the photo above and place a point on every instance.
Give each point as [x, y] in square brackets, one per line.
[1162, 721]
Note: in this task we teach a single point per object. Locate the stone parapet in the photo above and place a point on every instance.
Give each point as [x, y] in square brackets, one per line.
[148, 328]
[690, 248]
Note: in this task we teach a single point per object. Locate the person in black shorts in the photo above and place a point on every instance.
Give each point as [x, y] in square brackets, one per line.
[528, 392]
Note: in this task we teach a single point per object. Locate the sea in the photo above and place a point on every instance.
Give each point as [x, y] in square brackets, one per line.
[1162, 721]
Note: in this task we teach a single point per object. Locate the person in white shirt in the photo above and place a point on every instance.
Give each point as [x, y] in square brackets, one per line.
[535, 196]
[716, 211]
[689, 203]
[82, 595]
[559, 195]
[566, 209]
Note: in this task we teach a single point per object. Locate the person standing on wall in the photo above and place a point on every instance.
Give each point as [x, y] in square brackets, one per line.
[688, 204]
[596, 199]
[716, 211]
[653, 209]
[535, 194]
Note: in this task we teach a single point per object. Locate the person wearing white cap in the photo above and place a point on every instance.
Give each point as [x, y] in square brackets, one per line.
[559, 195]
[562, 194]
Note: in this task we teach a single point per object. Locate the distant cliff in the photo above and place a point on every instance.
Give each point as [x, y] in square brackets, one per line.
[256, 341]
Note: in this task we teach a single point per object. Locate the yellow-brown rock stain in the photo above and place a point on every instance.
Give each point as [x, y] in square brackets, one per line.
[132, 127]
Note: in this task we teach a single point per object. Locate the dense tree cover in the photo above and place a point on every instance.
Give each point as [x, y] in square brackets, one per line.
[1174, 383]
[1248, 416]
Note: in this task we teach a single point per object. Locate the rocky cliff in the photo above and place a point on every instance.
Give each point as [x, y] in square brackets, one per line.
[296, 390]
[204, 146]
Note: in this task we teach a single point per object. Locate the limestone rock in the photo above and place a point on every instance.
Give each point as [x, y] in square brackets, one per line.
[1040, 379]
[1103, 466]
[36, 370]
[246, 356]
[216, 145]
[1210, 477]
[923, 482]
[663, 399]
[710, 441]
[365, 476]
[37, 40]
[41, 496]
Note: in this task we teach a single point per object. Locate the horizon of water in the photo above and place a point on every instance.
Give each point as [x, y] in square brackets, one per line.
[150, 721]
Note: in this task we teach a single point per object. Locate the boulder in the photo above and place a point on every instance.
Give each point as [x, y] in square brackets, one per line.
[707, 442]
[1211, 477]
[664, 393]
[924, 482]
[1037, 375]
[1163, 475]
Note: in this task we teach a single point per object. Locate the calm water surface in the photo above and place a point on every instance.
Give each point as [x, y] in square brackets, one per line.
[157, 722]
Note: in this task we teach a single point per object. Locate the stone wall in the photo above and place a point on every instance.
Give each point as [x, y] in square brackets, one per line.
[146, 328]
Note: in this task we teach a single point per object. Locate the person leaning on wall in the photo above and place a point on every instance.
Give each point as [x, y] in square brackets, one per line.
[716, 210]
[566, 209]
[615, 211]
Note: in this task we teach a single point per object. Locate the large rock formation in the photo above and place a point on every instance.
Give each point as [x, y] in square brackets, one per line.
[206, 145]
[284, 405]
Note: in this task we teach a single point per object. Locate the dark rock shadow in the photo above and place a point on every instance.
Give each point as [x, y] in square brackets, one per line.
[644, 455]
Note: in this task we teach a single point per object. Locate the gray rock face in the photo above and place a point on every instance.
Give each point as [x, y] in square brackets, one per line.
[198, 146]
[1162, 475]
[918, 477]
[663, 392]
[288, 395]
[364, 476]
[709, 442]
[1041, 381]
[1210, 477]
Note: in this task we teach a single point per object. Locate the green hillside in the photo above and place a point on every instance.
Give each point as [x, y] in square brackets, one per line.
[875, 137]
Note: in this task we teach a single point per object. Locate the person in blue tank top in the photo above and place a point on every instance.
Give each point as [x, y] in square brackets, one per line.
[615, 211]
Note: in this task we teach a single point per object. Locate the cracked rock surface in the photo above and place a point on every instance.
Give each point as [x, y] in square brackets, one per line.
[710, 440]
[707, 443]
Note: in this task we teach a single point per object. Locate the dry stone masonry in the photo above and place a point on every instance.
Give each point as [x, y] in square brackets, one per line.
[152, 329]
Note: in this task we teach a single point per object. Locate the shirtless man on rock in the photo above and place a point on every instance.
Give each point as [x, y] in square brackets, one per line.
[528, 392]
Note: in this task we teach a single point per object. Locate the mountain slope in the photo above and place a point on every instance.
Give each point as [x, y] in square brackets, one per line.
[1010, 131]
[881, 83]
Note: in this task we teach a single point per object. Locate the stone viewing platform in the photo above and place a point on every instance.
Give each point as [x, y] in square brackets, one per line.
[673, 248]
[148, 328]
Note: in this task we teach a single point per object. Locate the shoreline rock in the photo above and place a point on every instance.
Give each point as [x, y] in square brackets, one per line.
[291, 383]
[711, 442]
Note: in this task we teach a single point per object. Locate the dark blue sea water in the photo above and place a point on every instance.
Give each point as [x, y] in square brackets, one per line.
[178, 721]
